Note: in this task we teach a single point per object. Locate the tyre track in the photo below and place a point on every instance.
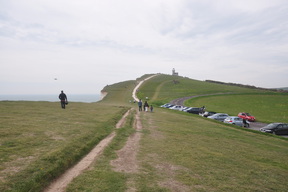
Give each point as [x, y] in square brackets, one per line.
[127, 161]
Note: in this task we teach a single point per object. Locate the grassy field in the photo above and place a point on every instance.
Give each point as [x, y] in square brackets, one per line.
[266, 106]
[101, 177]
[178, 151]
[203, 156]
[39, 140]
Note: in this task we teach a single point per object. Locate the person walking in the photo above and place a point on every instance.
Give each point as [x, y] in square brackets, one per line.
[245, 123]
[146, 106]
[203, 109]
[63, 99]
[140, 105]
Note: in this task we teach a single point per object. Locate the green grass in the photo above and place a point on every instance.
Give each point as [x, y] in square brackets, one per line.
[39, 140]
[206, 156]
[178, 151]
[266, 108]
[119, 93]
[101, 177]
[162, 89]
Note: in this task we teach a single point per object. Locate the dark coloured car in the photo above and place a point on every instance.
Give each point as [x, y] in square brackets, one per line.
[194, 110]
[246, 116]
[276, 128]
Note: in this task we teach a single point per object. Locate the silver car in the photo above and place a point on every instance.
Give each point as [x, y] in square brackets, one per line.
[167, 105]
[177, 107]
[186, 109]
[234, 120]
[219, 116]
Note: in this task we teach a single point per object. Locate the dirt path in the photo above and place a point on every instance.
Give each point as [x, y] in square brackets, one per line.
[138, 85]
[60, 184]
[180, 101]
[126, 161]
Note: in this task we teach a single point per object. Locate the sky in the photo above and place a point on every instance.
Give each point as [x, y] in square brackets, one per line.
[81, 46]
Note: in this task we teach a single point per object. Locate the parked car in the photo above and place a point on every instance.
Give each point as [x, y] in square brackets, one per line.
[208, 113]
[234, 120]
[177, 107]
[186, 109]
[194, 110]
[246, 116]
[167, 105]
[219, 116]
[276, 128]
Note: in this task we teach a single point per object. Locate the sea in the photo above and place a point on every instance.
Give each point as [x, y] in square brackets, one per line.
[88, 98]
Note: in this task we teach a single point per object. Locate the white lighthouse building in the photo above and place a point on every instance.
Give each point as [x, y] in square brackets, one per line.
[174, 72]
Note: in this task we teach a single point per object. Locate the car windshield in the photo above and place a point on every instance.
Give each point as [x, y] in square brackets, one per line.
[248, 114]
[272, 125]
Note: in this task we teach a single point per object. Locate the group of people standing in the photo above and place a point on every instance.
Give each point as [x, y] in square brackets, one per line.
[145, 106]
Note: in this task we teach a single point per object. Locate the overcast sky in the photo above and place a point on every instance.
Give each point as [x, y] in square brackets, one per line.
[88, 44]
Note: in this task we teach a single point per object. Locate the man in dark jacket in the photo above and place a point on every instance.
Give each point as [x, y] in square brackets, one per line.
[140, 105]
[63, 99]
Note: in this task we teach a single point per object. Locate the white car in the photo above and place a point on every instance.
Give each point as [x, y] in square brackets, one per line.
[186, 109]
[177, 107]
[167, 105]
[219, 116]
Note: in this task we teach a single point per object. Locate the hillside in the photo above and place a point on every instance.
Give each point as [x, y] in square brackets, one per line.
[184, 152]
[284, 88]
[165, 88]
[172, 150]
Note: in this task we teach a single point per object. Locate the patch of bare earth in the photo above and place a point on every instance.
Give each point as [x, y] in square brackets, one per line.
[15, 166]
[127, 156]
[166, 171]
[52, 135]
[170, 172]
[60, 184]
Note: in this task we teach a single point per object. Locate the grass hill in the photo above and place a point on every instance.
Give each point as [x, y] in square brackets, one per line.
[177, 152]
[284, 88]
[164, 88]
[267, 105]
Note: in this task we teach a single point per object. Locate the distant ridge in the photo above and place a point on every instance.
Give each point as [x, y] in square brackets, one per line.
[249, 86]
[283, 88]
